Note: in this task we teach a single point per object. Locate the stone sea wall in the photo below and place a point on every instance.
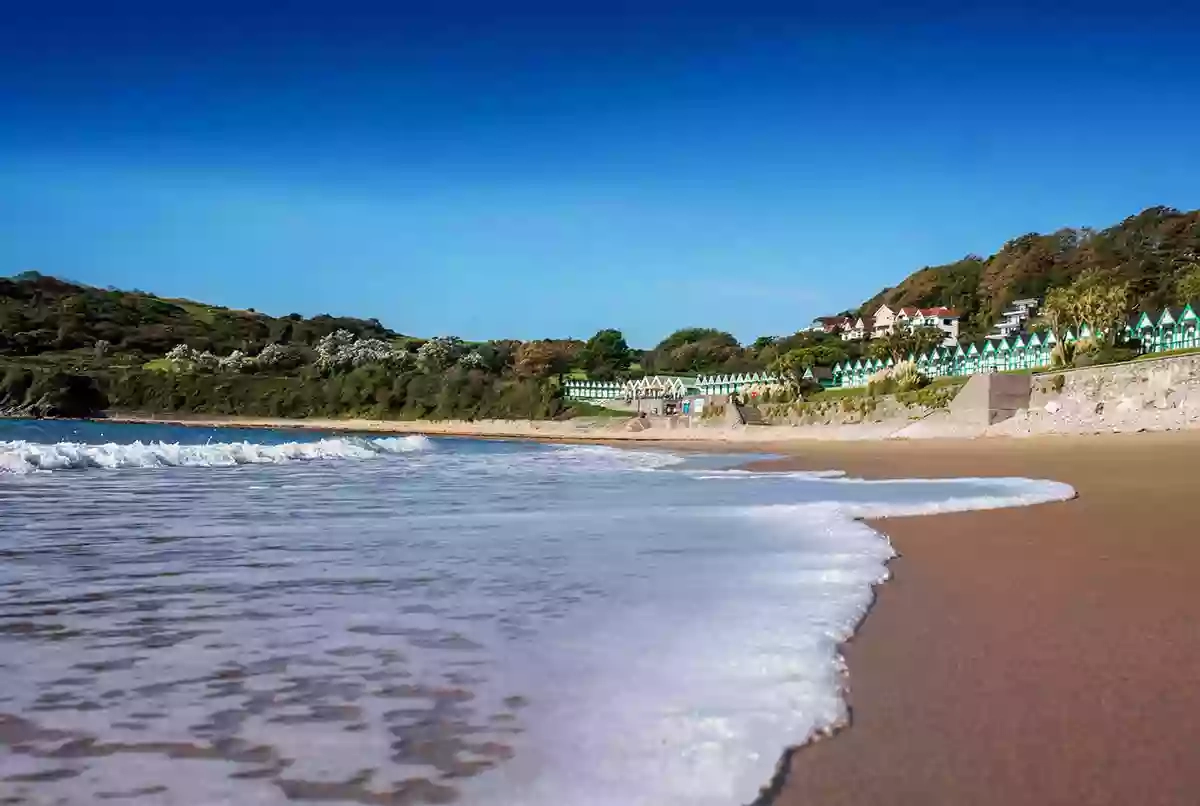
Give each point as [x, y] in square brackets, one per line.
[1151, 395]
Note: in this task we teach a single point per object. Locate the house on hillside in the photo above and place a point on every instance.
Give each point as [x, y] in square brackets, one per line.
[941, 317]
[1015, 318]
[884, 321]
[862, 328]
[831, 324]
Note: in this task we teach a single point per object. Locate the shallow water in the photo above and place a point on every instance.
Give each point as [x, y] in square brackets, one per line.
[198, 616]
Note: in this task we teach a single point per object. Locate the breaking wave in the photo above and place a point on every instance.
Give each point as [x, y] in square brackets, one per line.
[31, 457]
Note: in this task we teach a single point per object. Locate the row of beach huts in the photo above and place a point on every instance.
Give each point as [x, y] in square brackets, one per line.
[1174, 328]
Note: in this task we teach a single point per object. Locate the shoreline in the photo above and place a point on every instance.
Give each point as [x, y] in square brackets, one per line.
[613, 431]
[1019, 650]
[1045, 650]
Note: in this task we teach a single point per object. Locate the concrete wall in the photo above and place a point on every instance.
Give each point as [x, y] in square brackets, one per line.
[1154, 394]
[989, 399]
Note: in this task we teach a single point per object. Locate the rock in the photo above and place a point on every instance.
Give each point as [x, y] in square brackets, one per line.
[1053, 407]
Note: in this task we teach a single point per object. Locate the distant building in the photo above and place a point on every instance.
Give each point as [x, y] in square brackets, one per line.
[943, 318]
[884, 321]
[862, 328]
[820, 375]
[1174, 328]
[1015, 318]
[831, 324]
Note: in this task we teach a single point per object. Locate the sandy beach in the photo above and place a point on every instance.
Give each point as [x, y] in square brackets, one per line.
[1045, 655]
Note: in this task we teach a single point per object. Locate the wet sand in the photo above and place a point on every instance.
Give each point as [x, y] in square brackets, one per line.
[1045, 655]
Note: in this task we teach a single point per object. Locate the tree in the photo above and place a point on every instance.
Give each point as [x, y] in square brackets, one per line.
[903, 342]
[695, 349]
[1187, 287]
[1102, 302]
[541, 359]
[605, 355]
[791, 365]
[1060, 311]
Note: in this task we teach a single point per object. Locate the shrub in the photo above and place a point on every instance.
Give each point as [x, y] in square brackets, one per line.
[1104, 355]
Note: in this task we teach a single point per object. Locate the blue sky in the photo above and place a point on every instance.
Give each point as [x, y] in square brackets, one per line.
[525, 170]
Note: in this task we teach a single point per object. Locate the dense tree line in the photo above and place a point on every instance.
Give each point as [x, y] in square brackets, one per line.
[370, 391]
[1154, 252]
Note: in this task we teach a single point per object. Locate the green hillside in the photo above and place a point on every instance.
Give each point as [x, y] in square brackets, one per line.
[1152, 250]
[40, 314]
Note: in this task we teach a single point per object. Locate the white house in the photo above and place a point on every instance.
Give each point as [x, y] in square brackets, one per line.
[831, 324]
[1015, 318]
[944, 319]
[862, 328]
[885, 320]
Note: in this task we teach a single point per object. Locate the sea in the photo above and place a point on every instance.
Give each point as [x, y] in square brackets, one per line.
[232, 616]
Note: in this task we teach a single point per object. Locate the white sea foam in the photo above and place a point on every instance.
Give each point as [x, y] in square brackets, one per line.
[691, 696]
[666, 634]
[28, 457]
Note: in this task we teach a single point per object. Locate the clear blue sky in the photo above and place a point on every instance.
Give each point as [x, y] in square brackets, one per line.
[523, 170]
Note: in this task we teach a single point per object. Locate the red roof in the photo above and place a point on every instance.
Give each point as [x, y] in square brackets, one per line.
[940, 311]
[907, 311]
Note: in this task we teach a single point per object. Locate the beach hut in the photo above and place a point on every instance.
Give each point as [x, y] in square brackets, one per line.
[959, 361]
[940, 359]
[1189, 327]
[988, 360]
[971, 364]
[1017, 358]
[820, 375]
[1035, 351]
[1168, 334]
[1004, 356]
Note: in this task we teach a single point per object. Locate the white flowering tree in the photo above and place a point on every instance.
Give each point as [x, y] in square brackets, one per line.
[206, 362]
[182, 357]
[237, 361]
[341, 351]
[472, 360]
[438, 353]
[278, 356]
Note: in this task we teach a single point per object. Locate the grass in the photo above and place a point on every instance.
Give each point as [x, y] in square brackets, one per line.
[580, 408]
[1168, 353]
[201, 313]
[838, 392]
[158, 365]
